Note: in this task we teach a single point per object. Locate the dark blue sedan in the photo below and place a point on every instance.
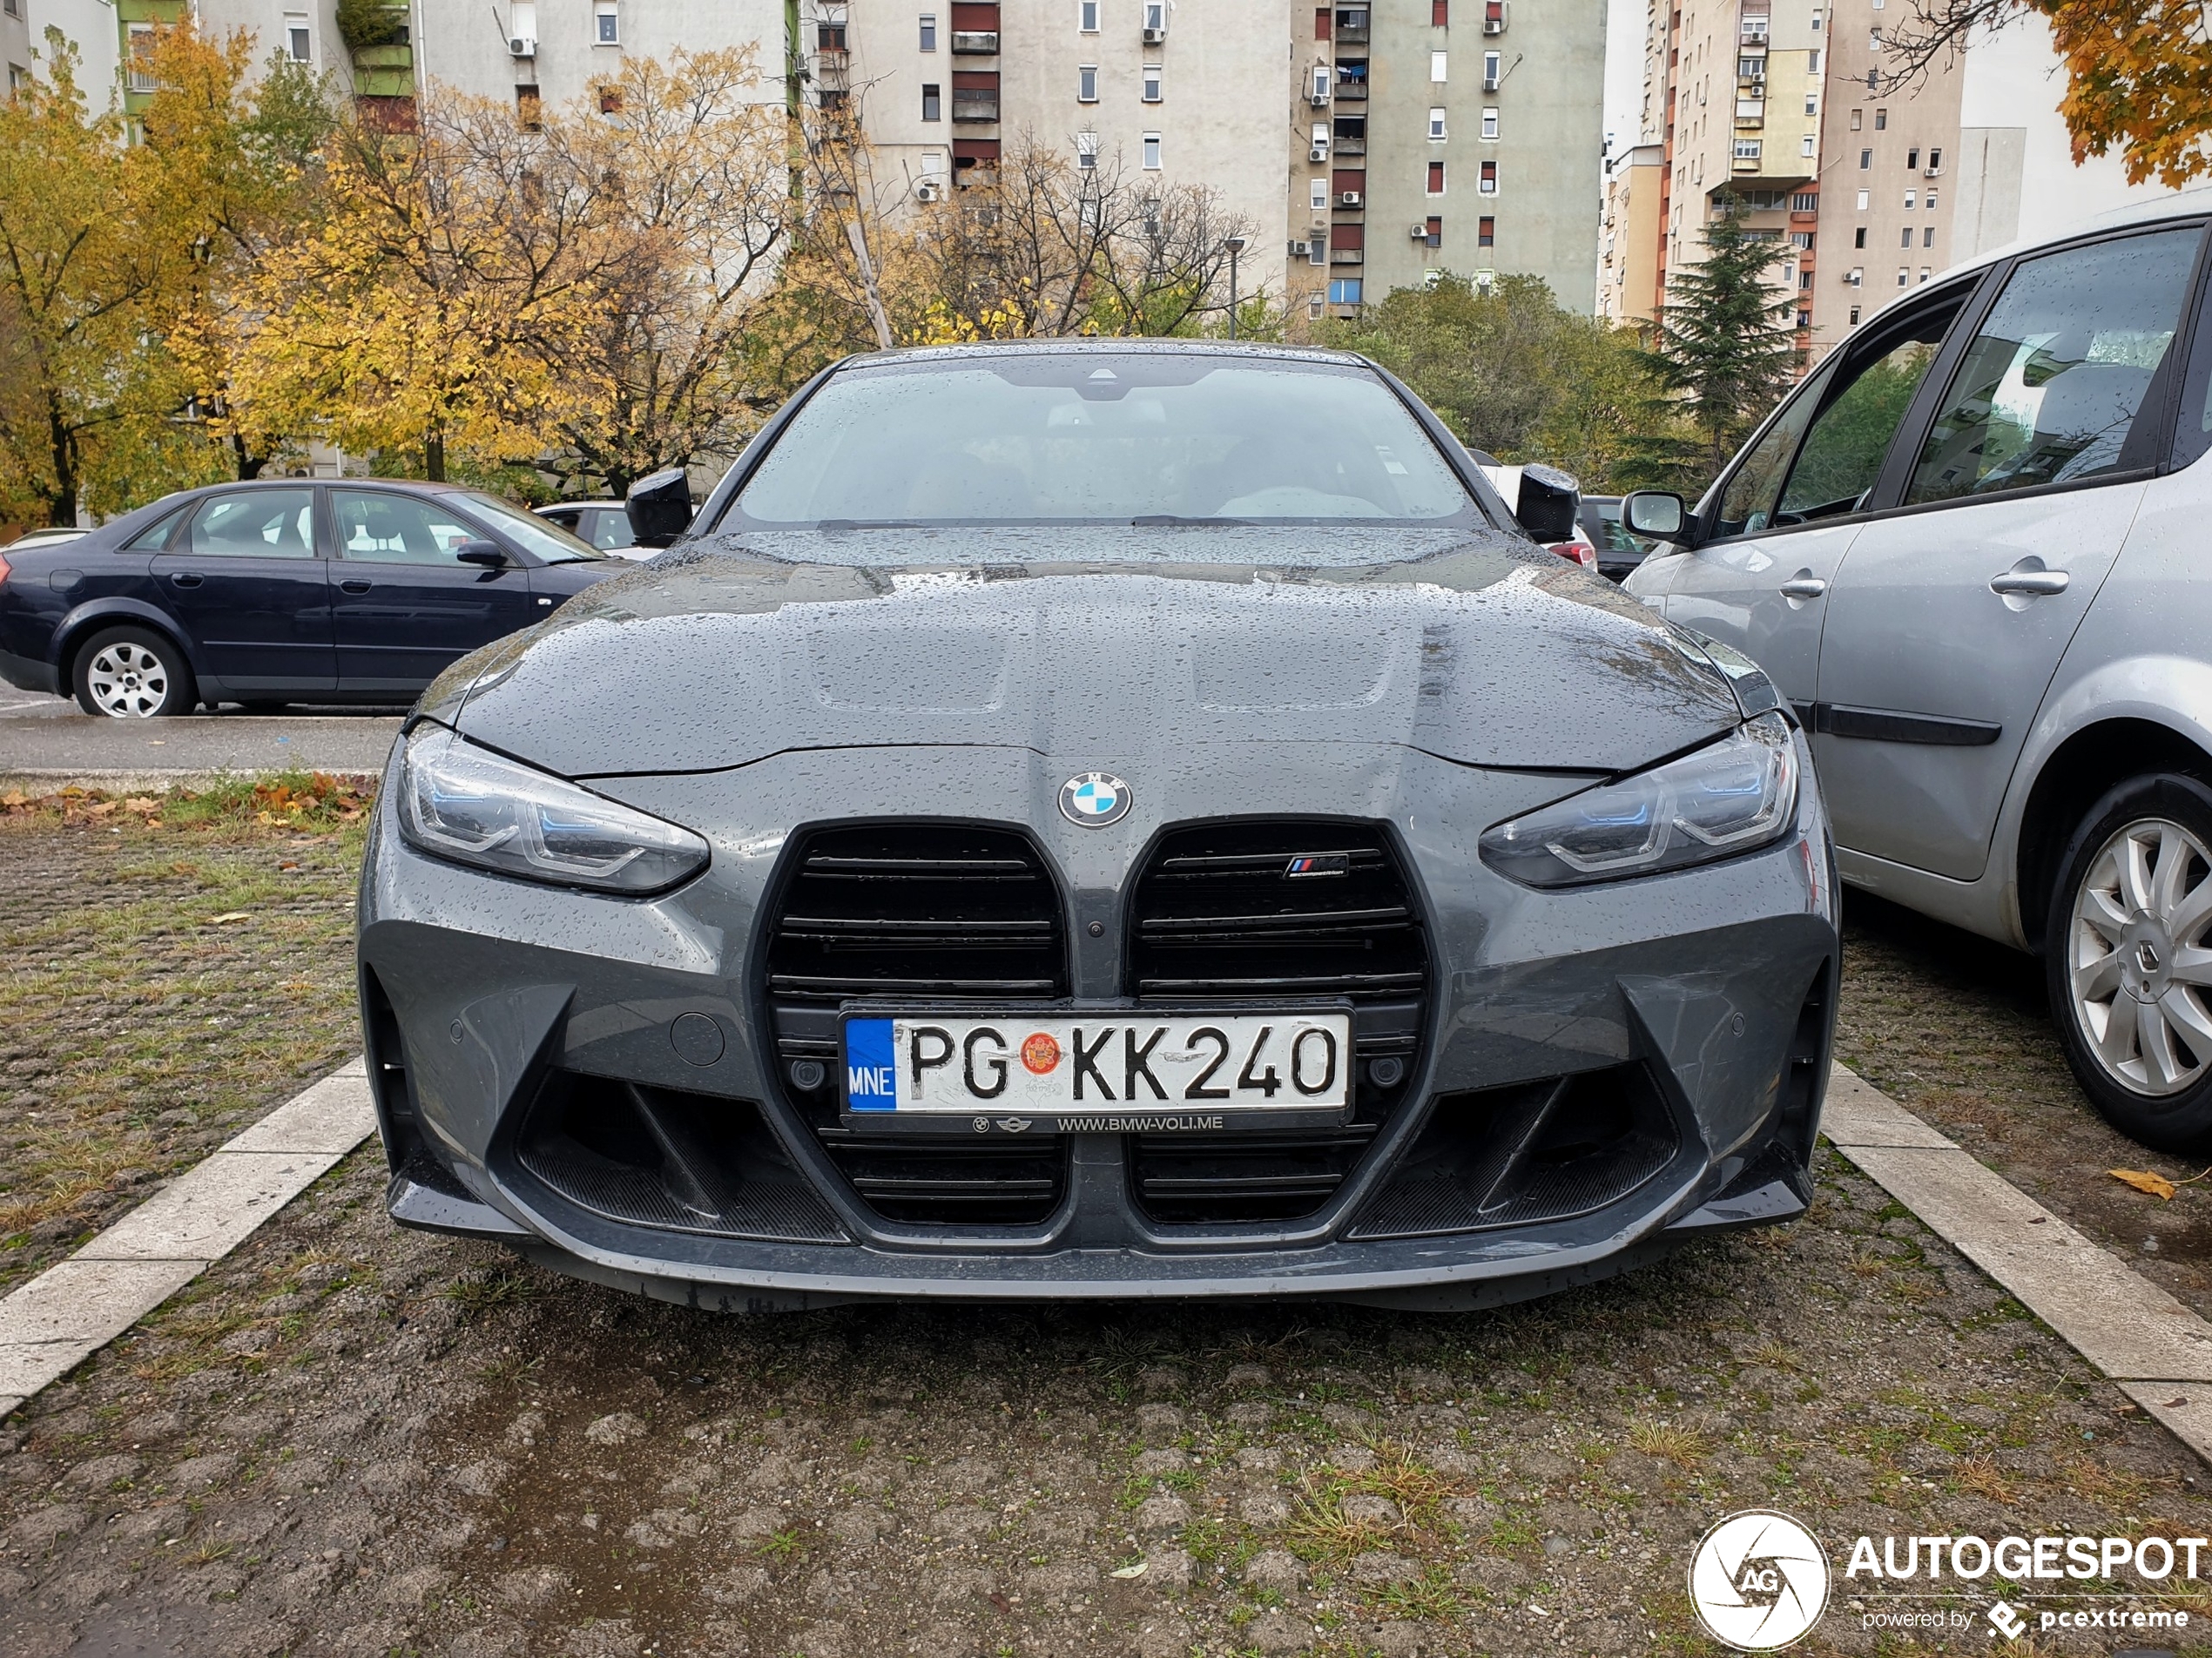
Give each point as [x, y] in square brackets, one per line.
[285, 590]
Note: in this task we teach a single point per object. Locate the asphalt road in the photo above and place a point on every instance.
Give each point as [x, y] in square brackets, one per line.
[48, 737]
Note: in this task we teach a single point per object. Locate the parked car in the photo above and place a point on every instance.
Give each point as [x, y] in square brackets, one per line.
[285, 590]
[605, 524]
[1099, 819]
[1524, 486]
[1971, 550]
[1618, 552]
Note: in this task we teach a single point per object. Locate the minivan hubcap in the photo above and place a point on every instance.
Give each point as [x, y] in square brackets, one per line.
[2138, 959]
[128, 681]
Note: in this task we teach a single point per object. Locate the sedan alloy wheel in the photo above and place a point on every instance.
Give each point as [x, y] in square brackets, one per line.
[128, 681]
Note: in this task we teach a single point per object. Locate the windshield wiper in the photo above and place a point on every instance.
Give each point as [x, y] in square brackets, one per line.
[1168, 520]
[866, 524]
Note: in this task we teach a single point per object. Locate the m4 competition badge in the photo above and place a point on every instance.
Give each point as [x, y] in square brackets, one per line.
[1094, 800]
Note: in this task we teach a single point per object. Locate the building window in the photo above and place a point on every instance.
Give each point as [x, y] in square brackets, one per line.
[1866, 159]
[1858, 276]
[1859, 236]
[1490, 124]
[140, 58]
[1436, 177]
[1151, 83]
[1491, 71]
[1087, 83]
[1435, 227]
[1087, 16]
[1881, 120]
[1813, 58]
[528, 111]
[1926, 273]
[1807, 147]
[1086, 151]
[1906, 241]
[13, 8]
[1932, 201]
[1747, 149]
[1862, 201]
[1494, 16]
[1801, 239]
[1805, 201]
[1318, 194]
[1912, 199]
[1345, 291]
[1486, 232]
[1439, 14]
[1320, 23]
[1857, 118]
[1436, 65]
[1913, 158]
[1935, 161]
[297, 45]
[1904, 277]
[1813, 104]
[1927, 236]
[1488, 183]
[609, 24]
[1151, 152]
[933, 161]
[1854, 316]
[933, 103]
[1155, 16]
[1436, 124]
[929, 31]
[610, 100]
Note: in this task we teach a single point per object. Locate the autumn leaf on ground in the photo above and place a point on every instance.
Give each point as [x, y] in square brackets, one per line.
[2144, 1181]
[14, 797]
[232, 915]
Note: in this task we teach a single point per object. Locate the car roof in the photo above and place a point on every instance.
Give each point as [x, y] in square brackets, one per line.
[583, 500]
[1116, 346]
[2185, 203]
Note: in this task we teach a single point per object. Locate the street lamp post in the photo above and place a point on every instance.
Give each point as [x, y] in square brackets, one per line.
[1235, 246]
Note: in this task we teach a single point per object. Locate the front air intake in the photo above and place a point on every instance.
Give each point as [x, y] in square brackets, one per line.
[922, 913]
[1262, 913]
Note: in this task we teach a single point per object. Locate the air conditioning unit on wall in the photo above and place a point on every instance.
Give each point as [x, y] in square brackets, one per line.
[1320, 153]
[1349, 199]
[928, 189]
[522, 46]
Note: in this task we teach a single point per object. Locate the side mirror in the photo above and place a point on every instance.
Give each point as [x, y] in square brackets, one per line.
[1658, 514]
[1549, 500]
[490, 554]
[660, 507]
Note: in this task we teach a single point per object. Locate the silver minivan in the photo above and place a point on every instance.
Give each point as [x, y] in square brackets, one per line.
[1975, 549]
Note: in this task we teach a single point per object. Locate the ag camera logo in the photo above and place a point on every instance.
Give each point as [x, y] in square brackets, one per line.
[1759, 1580]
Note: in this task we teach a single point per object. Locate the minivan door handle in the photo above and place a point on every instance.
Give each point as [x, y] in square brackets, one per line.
[2029, 583]
[1804, 587]
[185, 578]
[353, 584]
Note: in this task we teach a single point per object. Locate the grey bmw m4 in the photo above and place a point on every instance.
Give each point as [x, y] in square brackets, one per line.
[1099, 820]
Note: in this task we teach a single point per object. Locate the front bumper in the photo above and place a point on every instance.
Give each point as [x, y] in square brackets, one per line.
[1710, 993]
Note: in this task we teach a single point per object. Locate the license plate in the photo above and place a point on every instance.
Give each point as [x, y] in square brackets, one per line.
[1120, 1072]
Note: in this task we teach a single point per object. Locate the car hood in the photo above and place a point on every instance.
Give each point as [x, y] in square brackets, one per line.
[721, 653]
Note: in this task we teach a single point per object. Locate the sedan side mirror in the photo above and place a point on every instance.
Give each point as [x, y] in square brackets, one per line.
[1549, 500]
[660, 507]
[490, 554]
[1658, 514]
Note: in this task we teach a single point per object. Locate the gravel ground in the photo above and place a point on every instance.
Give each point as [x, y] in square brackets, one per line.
[351, 1439]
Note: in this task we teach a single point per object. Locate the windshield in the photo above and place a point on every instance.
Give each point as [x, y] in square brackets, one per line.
[549, 541]
[1089, 437]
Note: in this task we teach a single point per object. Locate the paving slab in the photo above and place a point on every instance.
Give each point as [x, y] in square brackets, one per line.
[1857, 1115]
[81, 1300]
[332, 1117]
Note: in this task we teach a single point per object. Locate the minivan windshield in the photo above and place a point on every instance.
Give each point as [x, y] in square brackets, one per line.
[1098, 437]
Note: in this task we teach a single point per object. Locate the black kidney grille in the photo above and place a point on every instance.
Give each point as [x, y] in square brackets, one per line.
[916, 913]
[1267, 912]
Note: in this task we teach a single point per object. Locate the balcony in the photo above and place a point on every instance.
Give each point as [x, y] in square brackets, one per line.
[975, 106]
[1352, 92]
[975, 43]
[1350, 146]
[384, 71]
[1347, 256]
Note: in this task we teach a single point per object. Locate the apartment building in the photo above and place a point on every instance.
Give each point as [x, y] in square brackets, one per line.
[1436, 135]
[1628, 258]
[1160, 93]
[90, 25]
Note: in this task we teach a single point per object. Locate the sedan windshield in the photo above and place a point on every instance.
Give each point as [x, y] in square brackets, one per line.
[1096, 437]
[548, 540]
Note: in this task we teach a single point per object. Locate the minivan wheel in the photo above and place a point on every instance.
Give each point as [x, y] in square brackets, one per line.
[133, 673]
[2129, 959]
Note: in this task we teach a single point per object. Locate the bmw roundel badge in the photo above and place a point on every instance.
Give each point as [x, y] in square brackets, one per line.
[1094, 800]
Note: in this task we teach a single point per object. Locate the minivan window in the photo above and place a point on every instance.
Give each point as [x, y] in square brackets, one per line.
[1746, 505]
[2057, 375]
[1842, 456]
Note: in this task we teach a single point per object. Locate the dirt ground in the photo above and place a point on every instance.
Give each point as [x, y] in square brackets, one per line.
[349, 1440]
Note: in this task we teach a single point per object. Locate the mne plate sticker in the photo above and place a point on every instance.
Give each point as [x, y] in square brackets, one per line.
[1116, 1071]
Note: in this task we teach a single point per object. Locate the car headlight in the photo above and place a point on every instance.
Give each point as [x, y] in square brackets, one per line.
[1728, 798]
[465, 802]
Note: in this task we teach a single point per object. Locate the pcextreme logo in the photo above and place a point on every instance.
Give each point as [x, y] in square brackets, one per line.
[1759, 1580]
